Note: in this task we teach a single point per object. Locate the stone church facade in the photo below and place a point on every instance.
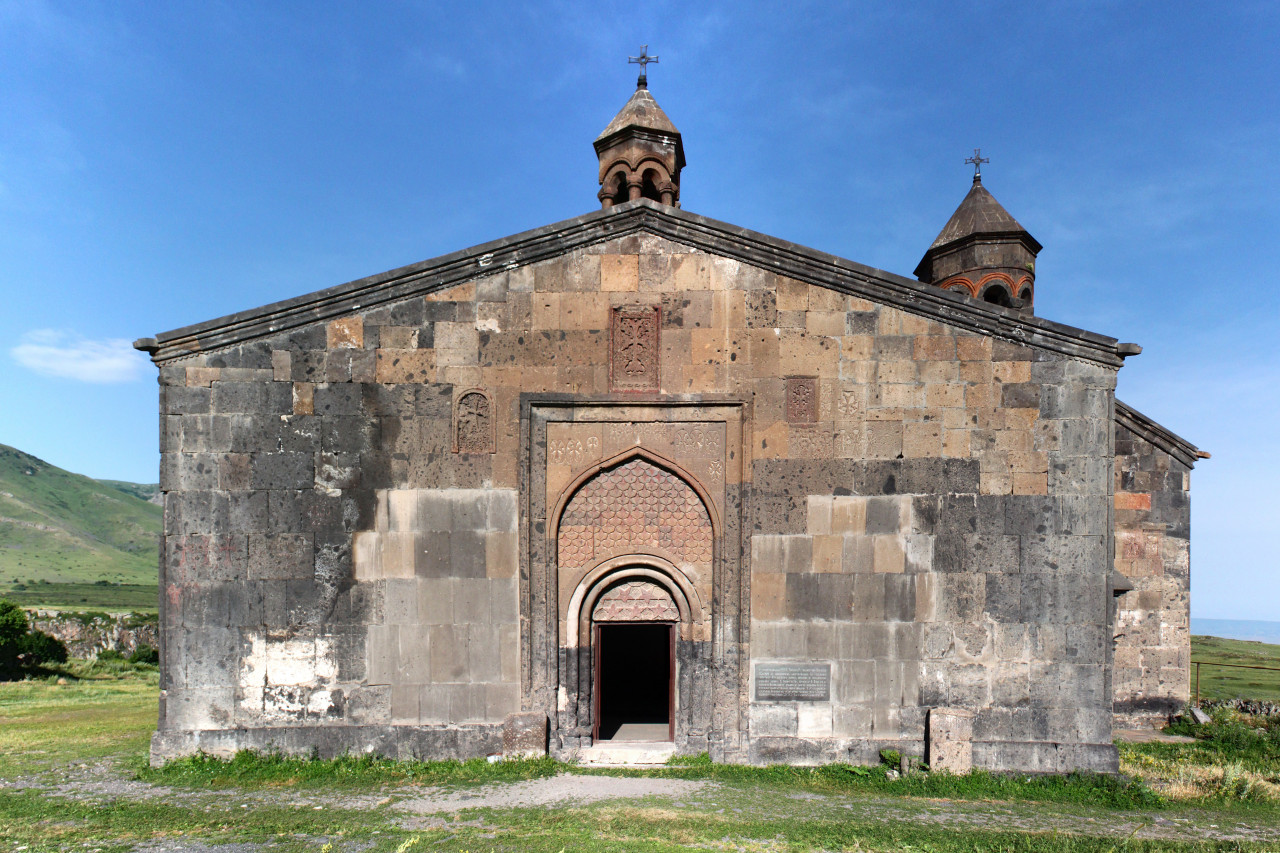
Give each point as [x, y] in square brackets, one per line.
[645, 476]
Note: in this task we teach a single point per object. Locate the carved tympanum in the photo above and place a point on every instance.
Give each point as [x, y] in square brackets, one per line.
[636, 601]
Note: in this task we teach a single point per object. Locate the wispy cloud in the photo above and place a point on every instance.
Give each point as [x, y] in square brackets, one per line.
[52, 352]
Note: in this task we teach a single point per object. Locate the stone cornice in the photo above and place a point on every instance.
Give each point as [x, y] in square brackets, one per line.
[779, 256]
[1175, 445]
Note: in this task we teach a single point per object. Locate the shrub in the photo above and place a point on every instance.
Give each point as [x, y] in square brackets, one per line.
[145, 653]
[37, 648]
[109, 654]
[21, 648]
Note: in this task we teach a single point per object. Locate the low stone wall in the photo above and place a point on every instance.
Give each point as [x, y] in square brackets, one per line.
[86, 634]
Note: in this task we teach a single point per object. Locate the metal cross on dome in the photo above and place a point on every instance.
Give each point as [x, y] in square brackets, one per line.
[642, 60]
[977, 160]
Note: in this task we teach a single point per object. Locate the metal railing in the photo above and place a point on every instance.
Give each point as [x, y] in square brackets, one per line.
[1197, 663]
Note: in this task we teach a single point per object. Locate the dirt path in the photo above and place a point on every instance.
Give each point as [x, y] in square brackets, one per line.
[416, 807]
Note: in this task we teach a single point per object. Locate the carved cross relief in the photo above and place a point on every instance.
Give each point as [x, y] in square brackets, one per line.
[473, 423]
[633, 350]
[802, 399]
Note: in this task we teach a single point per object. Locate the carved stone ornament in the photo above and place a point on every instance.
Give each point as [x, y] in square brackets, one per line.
[633, 350]
[473, 423]
[802, 399]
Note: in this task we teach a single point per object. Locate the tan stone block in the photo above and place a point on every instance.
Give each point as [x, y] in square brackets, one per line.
[398, 337]
[827, 300]
[546, 310]
[884, 413]
[957, 419]
[948, 395]
[935, 348]
[996, 483]
[896, 372]
[691, 272]
[1011, 371]
[829, 323]
[345, 333]
[281, 365]
[884, 439]
[816, 441]
[914, 324]
[889, 322]
[973, 348]
[976, 372]
[860, 372]
[461, 376]
[708, 346]
[801, 354]
[857, 347]
[1028, 462]
[768, 596]
[459, 336]
[827, 553]
[921, 439]
[792, 295]
[584, 311]
[955, 443]
[849, 515]
[398, 554]
[889, 556]
[492, 316]
[1025, 419]
[980, 396]
[938, 372]
[729, 309]
[460, 293]
[1030, 484]
[501, 555]
[818, 510]
[619, 272]
[771, 442]
[203, 376]
[762, 352]
[304, 398]
[405, 366]
[698, 378]
[901, 396]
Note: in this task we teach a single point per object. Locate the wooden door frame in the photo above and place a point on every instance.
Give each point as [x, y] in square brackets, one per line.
[673, 635]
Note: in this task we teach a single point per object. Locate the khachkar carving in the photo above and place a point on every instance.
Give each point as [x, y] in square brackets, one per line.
[473, 423]
[633, 353]
[802, 399]
[635, 507]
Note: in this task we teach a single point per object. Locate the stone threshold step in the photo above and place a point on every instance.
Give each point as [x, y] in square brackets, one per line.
[627, 754]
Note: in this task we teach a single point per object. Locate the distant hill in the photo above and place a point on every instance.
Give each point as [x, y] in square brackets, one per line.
[60, 527]
[149, 492]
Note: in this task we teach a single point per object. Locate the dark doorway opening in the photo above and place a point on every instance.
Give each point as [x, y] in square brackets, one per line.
[634, 684]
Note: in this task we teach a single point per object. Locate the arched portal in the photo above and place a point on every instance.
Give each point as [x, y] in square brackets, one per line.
[634, 541]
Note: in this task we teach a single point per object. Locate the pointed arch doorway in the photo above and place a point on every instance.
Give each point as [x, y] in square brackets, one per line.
[634, 632]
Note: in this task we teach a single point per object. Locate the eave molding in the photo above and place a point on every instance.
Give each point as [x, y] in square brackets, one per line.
[642, 215]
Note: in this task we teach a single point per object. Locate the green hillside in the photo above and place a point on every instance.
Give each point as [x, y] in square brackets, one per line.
[1220, 682]
[60, 528]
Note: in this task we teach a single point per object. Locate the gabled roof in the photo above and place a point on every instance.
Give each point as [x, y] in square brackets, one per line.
[1175, 445]
[641, 215]
[980, 213]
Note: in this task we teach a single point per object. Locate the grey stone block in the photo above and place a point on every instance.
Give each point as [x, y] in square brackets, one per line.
[282, 470]
[280, 556]
[524, 735]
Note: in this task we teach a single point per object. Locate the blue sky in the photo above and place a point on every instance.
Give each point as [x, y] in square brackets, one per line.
[166, 163]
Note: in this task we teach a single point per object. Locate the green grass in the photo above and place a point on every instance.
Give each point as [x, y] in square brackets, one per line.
[101, 709]
[60, 526]
[81, 596]
[1217, 682]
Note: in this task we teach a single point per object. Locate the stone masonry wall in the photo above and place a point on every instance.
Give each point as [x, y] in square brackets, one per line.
[927, 511]
[1153, 550]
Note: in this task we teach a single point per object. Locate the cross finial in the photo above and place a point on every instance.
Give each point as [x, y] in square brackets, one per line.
[642, 60]
[977, 160]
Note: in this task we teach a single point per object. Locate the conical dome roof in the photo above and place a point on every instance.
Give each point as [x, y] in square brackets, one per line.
[979, 213]
[640, 111]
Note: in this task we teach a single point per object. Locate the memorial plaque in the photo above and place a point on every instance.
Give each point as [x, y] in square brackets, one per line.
[793, 682]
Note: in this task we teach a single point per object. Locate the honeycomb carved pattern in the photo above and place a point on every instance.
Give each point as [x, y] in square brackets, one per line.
[633, 508]
[636, 601]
